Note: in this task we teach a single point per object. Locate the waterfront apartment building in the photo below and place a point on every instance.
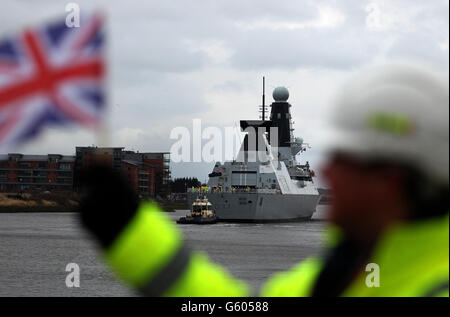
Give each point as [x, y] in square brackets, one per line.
[147, 173]
[27, 173]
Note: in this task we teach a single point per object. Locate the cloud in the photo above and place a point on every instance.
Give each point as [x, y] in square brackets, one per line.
[173, 61]
[327, 17]
[297, 49]
[431, 50]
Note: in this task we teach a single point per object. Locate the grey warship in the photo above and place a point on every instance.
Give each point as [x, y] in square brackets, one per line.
[264, 183]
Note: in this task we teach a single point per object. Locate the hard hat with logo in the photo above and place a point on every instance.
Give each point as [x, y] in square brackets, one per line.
[396, 113]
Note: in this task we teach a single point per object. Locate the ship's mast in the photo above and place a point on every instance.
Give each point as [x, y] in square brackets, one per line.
[263, 104]
[263, 107]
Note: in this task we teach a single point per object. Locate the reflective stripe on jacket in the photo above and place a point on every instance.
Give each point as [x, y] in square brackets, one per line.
[413, 261]
[150, 255]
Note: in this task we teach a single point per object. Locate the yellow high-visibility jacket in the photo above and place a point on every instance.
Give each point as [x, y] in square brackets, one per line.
[150, 255]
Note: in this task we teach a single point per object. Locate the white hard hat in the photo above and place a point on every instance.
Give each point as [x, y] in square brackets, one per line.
[397, 113]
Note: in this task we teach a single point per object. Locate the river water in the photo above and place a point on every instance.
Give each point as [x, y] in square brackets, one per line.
[36, 247]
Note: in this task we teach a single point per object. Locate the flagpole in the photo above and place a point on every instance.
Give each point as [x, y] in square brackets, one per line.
[103, 133]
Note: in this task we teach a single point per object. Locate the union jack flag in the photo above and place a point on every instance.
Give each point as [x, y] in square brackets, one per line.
[52, 75]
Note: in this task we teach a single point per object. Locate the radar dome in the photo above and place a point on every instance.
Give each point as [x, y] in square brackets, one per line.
[280, 94]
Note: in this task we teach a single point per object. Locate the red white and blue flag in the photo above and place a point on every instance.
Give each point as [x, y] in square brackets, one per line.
[52, 75]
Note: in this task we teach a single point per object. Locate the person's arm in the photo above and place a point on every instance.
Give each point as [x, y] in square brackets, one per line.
[150, 255]
[144, 248]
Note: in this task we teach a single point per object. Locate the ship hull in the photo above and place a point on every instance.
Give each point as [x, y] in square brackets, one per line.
[260, 207]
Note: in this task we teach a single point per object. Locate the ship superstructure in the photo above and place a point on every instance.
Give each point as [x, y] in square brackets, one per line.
[264, 182]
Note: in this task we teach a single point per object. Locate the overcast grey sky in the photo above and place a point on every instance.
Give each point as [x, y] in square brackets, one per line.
[174, 61]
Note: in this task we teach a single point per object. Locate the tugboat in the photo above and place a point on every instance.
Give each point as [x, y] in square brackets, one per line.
[201, 213]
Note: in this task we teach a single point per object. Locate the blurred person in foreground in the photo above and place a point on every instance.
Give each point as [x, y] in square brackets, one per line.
[388, 171]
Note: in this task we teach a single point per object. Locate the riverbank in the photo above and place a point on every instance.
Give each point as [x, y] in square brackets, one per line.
[56, 202]
[42, 202]
[170, 206]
